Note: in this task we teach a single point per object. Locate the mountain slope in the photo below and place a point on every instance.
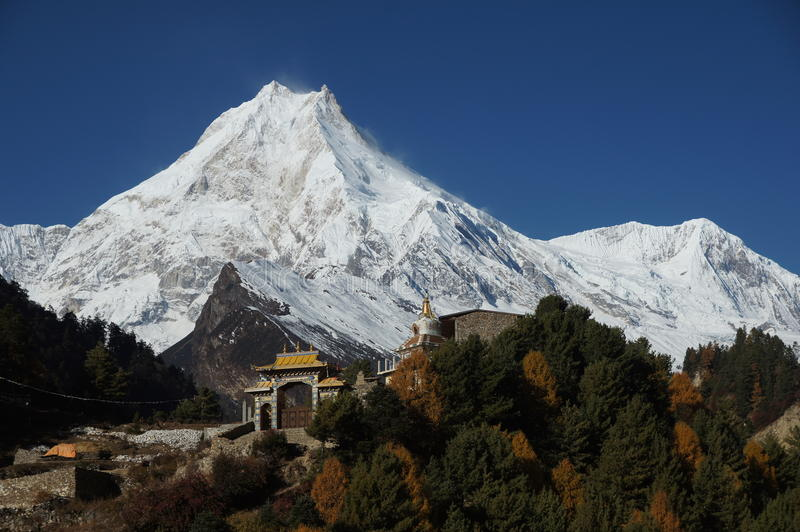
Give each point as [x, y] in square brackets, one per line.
[314, 216]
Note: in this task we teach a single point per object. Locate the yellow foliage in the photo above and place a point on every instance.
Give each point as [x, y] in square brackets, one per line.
[659, 508]
[757, 461]
[567, 483]
[417, 384]
[684, 398]
[329, 489]
[524, 452]
[687, 446]
[659, 516]
[540, 379]
[412, 478]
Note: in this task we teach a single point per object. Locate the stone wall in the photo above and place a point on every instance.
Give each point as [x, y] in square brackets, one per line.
[69, 482]
[486, 324]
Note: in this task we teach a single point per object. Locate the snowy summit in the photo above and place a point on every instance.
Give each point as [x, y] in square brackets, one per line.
[315, 216]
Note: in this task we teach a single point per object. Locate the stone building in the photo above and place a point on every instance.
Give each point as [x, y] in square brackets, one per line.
[288, 390]
[485, 323]
[429, 332]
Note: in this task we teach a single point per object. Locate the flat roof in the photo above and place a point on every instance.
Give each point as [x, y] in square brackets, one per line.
[463, 312]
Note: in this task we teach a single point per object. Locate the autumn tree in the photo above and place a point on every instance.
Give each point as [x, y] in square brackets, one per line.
[417, 384]
[540, 380]
[684, 398]
[687, 446]
[414, 482]
[662, 513]
[328, 490]
[567, 483]
[527, 457]
[761, 474]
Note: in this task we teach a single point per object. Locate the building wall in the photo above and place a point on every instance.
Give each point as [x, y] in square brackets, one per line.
[485, 324]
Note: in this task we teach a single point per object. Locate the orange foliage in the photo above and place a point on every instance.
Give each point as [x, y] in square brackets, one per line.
[661, 512]
[522, 449]
[417, 384]
[687, 446]
[683, 396]
[540, 379]
[412, 478]
[757, 461]
[567, 483]
[329, 489]
[306, 528]
[659, 517]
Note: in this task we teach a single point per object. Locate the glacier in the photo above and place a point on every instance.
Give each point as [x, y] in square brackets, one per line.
[314, 215]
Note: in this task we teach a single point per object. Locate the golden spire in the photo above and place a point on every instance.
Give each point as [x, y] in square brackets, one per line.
[426, 307]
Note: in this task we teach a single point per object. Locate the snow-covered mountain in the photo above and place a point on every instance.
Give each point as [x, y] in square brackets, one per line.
[313, 215]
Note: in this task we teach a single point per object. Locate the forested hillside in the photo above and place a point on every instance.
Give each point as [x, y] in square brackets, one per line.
[557, 424]
[758, 376]
[85, 357]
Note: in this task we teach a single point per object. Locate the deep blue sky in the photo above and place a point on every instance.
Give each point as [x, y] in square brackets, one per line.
[554, 117]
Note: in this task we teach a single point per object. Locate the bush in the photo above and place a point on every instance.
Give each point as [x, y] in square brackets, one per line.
[171, 507]
[272, 447]
[209, 522]
[240, 481]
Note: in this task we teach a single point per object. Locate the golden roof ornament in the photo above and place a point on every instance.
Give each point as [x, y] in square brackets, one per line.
[426, 307]
[297, 347]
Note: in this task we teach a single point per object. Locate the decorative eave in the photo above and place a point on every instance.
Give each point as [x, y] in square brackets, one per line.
[260, 387]
[297, 360]
[331, 382]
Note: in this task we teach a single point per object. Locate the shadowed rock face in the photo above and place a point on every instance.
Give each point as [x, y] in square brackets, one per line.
[236, 330]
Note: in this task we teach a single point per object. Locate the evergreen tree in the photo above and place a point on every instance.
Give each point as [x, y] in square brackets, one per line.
[782, 513]
[377, 497]
[108, 380]
[479, 475]
[340, 420]
[457, 363]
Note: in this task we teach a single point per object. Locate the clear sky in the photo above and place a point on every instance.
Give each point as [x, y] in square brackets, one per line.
[555, 117]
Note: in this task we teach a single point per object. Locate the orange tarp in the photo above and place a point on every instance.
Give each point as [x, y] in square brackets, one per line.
[65, 450]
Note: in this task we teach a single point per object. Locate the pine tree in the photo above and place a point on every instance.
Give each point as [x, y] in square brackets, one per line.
[718, 500]
[480, 475]
[108, 380]
[629, 465]
[329, 489]
[782, 513]
[377, 497]
[339, 420]
[457, 363]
